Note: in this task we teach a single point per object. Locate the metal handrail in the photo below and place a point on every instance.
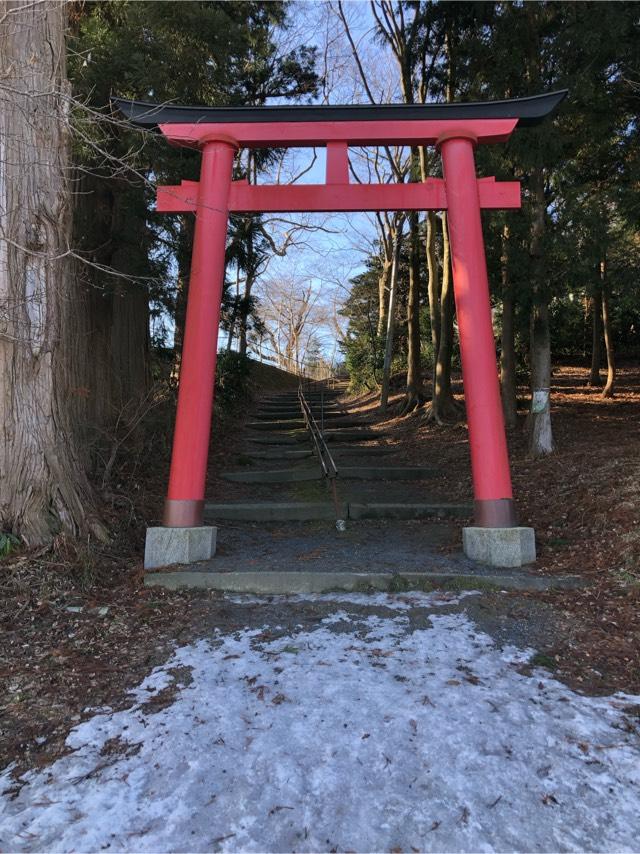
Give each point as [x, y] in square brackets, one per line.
[329, 468]
[327, 463]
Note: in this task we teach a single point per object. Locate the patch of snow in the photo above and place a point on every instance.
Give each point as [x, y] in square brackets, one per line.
[380, 737]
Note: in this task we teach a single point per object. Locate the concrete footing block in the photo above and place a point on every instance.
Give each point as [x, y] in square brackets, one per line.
[168, 546]
[500, 546]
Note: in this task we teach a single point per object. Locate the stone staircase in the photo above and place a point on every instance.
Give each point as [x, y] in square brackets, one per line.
[278, 534]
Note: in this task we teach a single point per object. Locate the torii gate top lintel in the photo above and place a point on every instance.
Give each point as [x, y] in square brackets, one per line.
[356, 124]
[336, 128]
[455, 128]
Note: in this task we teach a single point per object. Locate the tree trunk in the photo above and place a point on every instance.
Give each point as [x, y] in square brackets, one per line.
[433, 287]
[185, 243]
[414, 395]
[383, 286]
[609, 389]
[540, 433]
[596, 338]
[43, 488]
[443, 408]
[130, 345]
[508, 350]
[391, 323]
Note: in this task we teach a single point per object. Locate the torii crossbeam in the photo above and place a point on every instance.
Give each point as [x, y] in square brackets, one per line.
[455, 129]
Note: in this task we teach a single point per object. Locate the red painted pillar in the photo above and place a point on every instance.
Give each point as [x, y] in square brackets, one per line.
[184, 506]
[489, 457]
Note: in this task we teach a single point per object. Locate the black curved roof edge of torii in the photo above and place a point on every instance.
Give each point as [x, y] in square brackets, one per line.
[529, 111]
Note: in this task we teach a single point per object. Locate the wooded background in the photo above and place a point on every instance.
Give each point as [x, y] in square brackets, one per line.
[88, 269]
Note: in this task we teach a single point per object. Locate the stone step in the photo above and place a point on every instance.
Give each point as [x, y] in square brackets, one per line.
[408, 511]
[331, 436]
[304, 511]
[296, 437]
[384, 472]
[278, 453]
[345, 435]
[274, 583]
[272, 511]
[346, 451]
[274, 475]
[298, 424]
[283, 414]
[312, 401]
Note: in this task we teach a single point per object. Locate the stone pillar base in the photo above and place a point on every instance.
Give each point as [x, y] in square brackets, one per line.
[166, 546]
[500, 546]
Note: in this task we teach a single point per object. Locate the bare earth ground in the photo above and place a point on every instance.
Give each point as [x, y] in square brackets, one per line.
[79, 628]
[342, 722]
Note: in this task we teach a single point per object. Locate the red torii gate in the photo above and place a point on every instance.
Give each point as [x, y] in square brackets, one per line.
[455, 129]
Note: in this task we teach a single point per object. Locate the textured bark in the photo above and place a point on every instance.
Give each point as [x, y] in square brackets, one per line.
[414, 395]
[187, 226]
[43, 488]
[508, 350]
[433, 288]
[129, 343]
[391, 323]
[113, 307]
[384, 286]
[540, 432]
[609, 389]
[443, 408]
[596, 337]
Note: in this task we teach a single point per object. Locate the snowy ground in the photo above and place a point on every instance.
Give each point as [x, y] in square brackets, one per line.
[394, 726]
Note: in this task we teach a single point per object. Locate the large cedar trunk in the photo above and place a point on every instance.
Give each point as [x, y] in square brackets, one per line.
[111, 303]
[129, 343]
[540, 433]
[508, 350]
[43, 488]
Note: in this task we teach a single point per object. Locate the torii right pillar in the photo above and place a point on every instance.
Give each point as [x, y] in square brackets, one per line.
[495, 538]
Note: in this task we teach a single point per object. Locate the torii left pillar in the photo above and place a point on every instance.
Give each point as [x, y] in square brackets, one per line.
[184, 538]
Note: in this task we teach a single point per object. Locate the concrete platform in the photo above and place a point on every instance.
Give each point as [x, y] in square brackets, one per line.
[274, 583]
[167, 546]
[500, 546]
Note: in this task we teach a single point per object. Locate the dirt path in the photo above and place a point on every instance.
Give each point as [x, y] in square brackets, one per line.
[343, 722]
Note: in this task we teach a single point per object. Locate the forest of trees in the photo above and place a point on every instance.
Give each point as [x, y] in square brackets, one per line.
[87, 269]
